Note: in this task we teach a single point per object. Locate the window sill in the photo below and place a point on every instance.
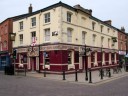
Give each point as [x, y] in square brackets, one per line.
[33, 27]
[20, 30]
[47, 23]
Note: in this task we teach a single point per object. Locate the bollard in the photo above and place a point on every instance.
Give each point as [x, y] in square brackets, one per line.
[64, 75]
[90, 76]
[44, 73]
[25, 71]
[109, 72]
[101, 73]
[76, 77]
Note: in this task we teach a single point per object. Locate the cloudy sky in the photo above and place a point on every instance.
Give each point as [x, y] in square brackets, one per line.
[115, 10]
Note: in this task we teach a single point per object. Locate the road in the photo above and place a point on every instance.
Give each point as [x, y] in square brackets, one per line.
[31, 86]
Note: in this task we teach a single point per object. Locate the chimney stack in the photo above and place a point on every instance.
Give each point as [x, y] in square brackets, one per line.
[108, 22]
[122, 29]
[30, 9]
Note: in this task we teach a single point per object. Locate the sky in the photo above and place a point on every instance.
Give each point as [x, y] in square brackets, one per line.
[115, 10]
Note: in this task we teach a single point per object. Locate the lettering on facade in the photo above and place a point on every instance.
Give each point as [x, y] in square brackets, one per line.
[59, 47]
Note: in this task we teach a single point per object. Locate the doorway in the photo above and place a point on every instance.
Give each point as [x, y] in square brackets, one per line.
[33, 63]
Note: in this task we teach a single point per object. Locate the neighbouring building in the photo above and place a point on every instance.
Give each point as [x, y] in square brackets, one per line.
[55, 39]
[5, 43]
[122, 42]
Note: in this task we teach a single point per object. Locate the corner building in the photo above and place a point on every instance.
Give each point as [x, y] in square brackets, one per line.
[55, 38]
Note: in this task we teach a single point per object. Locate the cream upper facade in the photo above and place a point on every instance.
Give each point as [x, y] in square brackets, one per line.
[61, 23]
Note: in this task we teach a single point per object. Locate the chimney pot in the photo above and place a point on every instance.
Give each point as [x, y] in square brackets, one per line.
[30, 8]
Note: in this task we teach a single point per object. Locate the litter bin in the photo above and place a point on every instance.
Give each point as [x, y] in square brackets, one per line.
[9, 70]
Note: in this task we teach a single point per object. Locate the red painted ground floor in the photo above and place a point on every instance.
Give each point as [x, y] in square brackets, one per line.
[56, 58]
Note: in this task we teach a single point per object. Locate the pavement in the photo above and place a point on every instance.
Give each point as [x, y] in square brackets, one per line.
[96, 79]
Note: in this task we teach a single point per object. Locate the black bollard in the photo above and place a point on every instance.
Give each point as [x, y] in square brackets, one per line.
[44, 73]
[25, 71]
[101, 73]
[64, 75]
[90, 76]
[76, 77]
[109, 72]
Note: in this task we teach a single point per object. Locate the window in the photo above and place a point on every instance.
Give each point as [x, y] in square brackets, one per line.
[69, 57]
[21, 38]
[33, 21]
[93, 39]
[101, 28]
[102, 41]
[46, 58]
[21, 25]
[47, 34]
[6, 29]
[83, 37]
[69, 17]
[3, 61]
[121, 46]
[33, 37]
[47, 17]
[5, 44]
[93, 25]
[108, 30]
[120, 36]
[69, 35]
[108, 43]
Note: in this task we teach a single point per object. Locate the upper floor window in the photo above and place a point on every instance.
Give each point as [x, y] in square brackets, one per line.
[5, 44]
[108, 42]
[33, 37]
[102, 41]
[6, 29]
[47, 34]
[83, 37]
[69, 35]
[33, 21]
[108, 30]
[121, 37]
[121, 46]
[21, 38]
[94, 39]
[101, 28]
[47, 17]
[93, 25]
[21, 25]
[69, 15]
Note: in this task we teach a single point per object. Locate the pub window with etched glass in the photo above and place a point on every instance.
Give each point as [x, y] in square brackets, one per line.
[47, 59]
[47, 17]
[21, 38]
[69, 57]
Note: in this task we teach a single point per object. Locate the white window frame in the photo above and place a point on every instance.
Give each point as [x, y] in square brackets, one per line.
[94, 39]
[47, 17]
[83, 37]
[69, 17]
[21, 39]
[21, 25]
[33, 34]
[69, 35]
[33, 22]
[47, 34]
